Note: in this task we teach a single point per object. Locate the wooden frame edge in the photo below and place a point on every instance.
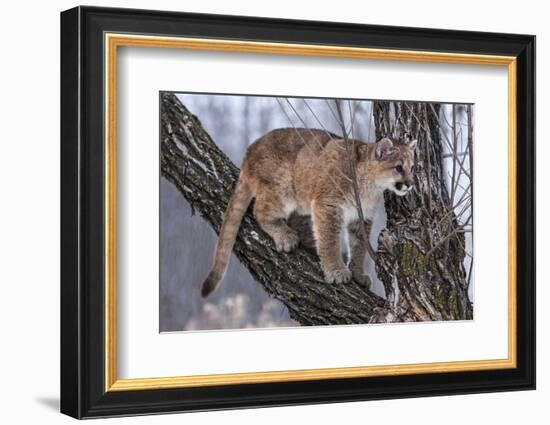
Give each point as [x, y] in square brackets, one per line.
[137, 384]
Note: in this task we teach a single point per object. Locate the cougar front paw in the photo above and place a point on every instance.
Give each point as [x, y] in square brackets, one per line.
[286, 241]
[338, 276]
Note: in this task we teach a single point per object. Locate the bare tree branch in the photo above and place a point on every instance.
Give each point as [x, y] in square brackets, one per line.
[350, 149]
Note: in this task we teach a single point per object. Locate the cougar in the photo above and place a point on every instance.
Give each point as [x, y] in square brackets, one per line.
[305, 172]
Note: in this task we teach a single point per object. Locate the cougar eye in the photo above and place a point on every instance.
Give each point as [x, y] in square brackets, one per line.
[399, 169]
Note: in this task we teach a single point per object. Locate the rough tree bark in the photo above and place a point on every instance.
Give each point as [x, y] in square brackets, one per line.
[206, 178]
[421, 257]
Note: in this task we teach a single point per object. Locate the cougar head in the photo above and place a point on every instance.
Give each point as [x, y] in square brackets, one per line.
[396, 165]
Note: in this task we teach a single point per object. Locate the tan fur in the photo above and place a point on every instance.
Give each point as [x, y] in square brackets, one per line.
[303, 172]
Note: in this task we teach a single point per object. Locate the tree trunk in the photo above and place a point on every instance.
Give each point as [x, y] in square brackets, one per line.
[421, 254]
[206, 177]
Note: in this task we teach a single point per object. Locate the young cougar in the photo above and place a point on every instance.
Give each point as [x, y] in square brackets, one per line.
[306, 172]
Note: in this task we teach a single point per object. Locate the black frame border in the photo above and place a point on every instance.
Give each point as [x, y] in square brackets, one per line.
[82, 205]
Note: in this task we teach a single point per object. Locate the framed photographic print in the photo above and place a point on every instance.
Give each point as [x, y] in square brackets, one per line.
[261, 212]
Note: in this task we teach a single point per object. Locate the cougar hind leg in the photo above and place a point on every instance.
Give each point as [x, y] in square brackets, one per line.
[271, 213]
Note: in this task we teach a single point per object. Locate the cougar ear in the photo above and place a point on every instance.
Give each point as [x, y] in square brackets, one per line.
[412, 144]
[383, 148]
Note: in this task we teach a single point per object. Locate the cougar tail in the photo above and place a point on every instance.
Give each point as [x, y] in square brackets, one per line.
[241, 198]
